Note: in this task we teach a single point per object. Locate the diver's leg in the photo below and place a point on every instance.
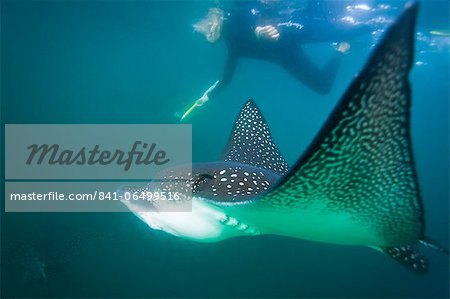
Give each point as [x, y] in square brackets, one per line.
[303, 69]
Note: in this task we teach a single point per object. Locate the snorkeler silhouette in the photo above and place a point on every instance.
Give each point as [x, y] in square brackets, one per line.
[266, 30]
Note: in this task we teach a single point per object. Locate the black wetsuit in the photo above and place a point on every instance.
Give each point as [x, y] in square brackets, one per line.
[238, 31]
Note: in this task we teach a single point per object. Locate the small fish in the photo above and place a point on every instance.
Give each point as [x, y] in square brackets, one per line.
[443, 33]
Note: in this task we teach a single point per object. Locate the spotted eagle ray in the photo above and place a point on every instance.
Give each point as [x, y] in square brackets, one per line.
[356, 184]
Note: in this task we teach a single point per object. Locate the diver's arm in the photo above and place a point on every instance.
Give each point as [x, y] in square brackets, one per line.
[228, 73]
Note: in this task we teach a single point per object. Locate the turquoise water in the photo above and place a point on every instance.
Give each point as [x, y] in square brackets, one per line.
[140, 62]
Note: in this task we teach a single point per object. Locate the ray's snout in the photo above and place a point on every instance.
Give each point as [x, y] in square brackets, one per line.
[135, 198]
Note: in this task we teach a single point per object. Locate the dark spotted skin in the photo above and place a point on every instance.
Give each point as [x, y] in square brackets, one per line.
[221, 182]
[251, 142]
[409, 256]
[235, 183]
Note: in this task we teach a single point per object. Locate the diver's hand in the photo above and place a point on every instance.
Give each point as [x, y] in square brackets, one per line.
[196, 104]
[202, 100]
[268, 32]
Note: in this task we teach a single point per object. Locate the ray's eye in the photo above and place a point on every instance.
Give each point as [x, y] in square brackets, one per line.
[200, 182]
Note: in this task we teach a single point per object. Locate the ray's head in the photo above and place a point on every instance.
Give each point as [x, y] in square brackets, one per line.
[218, 183]
[199, 210]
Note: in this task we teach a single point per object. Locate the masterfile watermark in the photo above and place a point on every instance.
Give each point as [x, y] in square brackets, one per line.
[93, 197]
[52, 154]
[83, 168]
[94, 151]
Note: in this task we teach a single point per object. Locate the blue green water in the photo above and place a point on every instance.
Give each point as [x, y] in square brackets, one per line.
[140, 62]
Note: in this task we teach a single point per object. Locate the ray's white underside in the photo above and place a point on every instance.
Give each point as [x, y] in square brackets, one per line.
[211, 223]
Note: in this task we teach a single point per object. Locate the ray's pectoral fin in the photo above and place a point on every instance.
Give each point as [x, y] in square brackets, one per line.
[251, 142]
[409, 256]
[361, 162]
